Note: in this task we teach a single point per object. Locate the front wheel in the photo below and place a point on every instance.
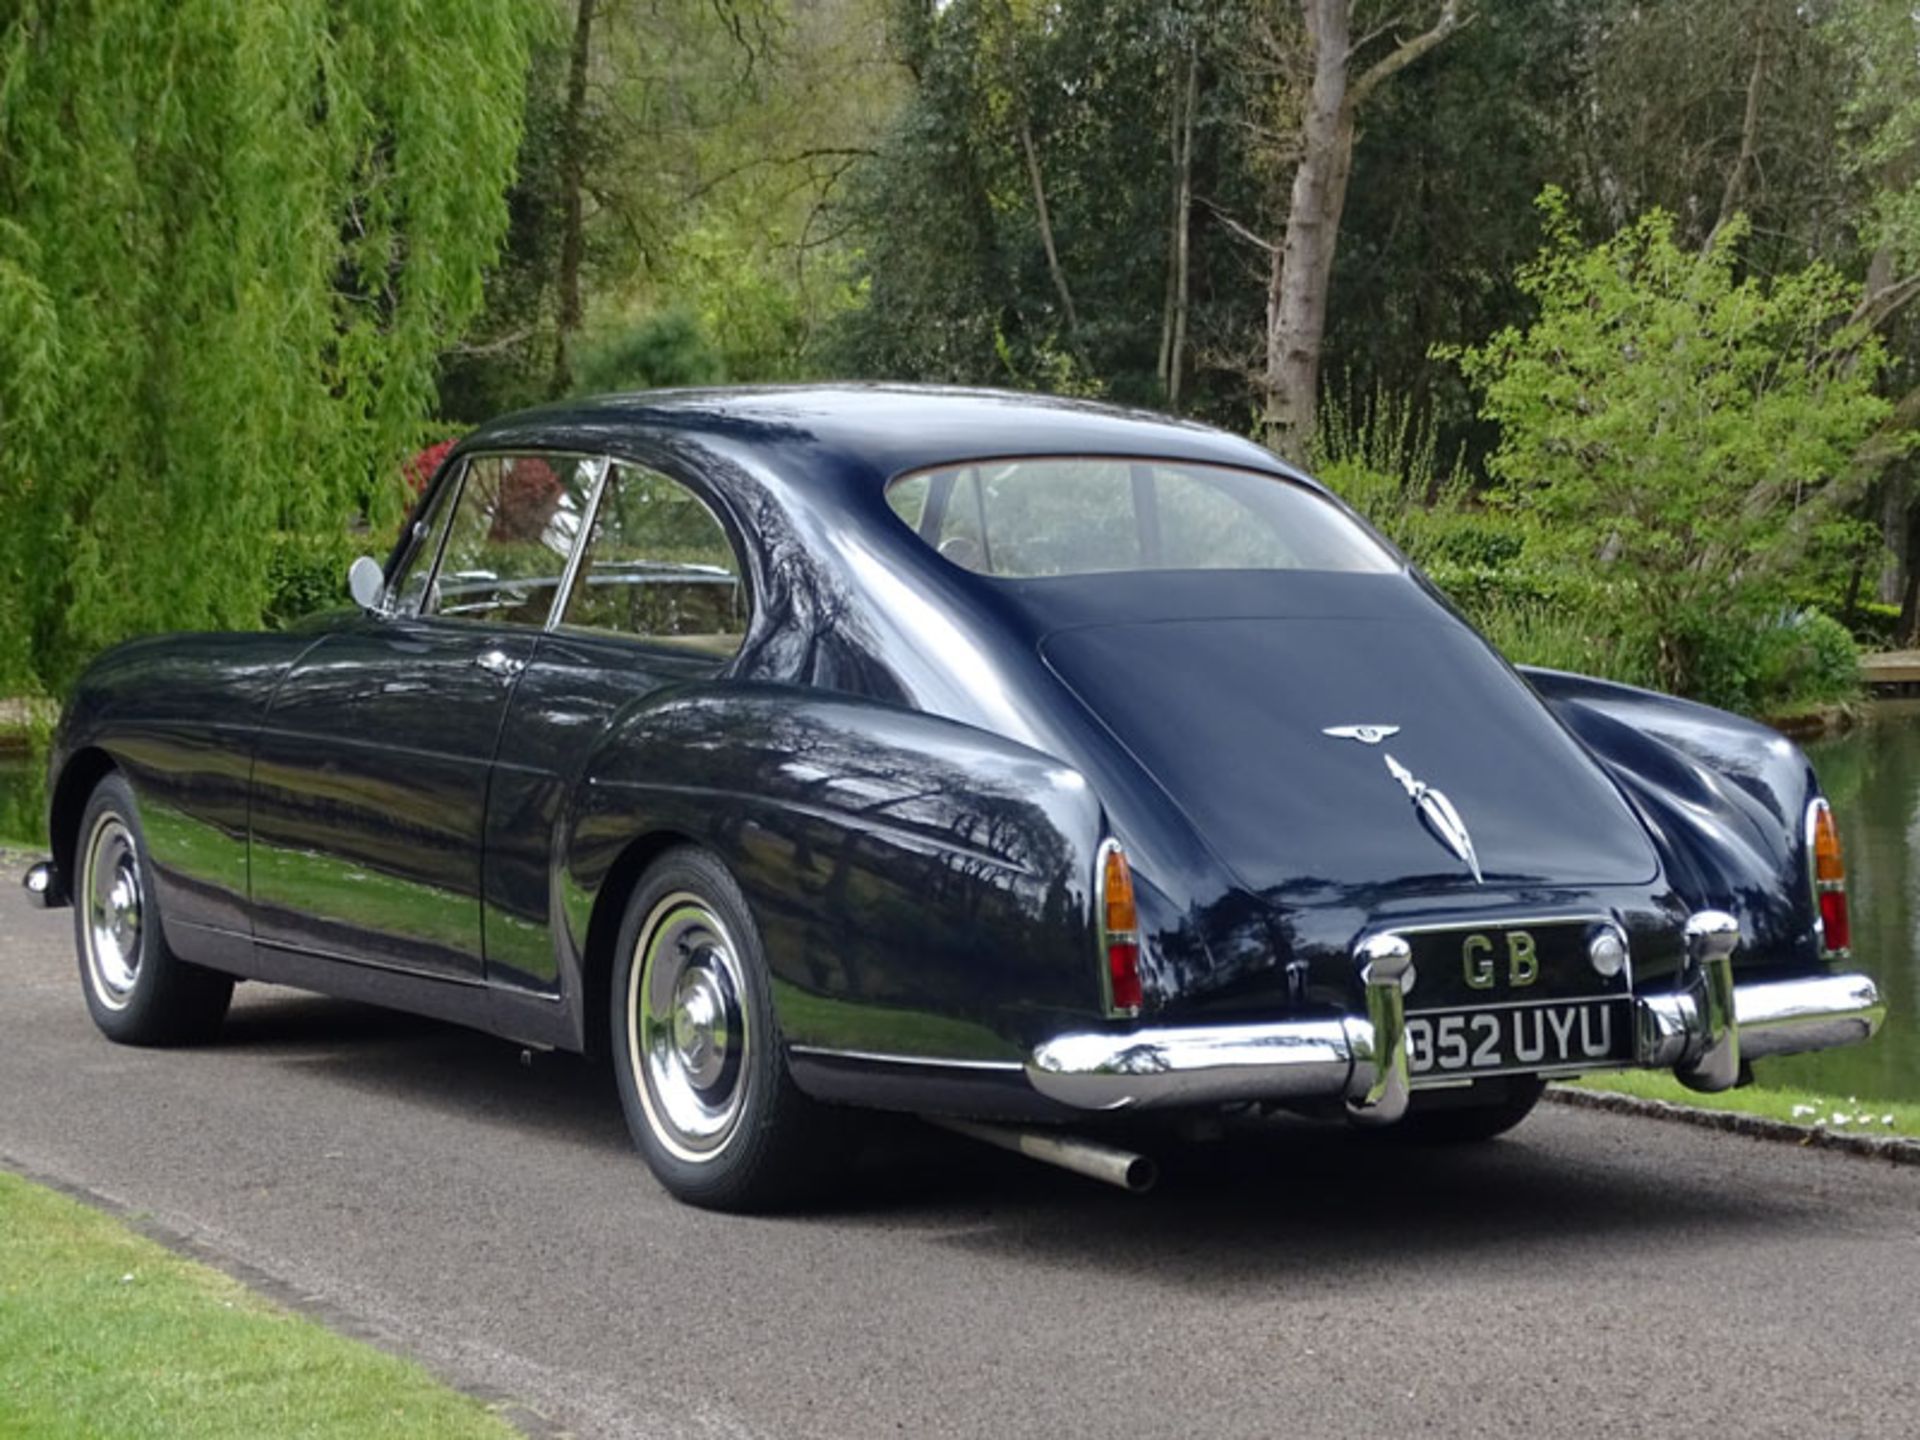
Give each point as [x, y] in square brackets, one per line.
[138, 991]
[697, 1054]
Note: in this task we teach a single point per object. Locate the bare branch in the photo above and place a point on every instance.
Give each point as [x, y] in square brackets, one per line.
[1237, 228]
[1452, 18]
[1880, 305]
[1749, 139]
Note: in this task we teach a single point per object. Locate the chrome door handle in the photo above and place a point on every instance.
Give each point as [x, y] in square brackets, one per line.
[498, 662]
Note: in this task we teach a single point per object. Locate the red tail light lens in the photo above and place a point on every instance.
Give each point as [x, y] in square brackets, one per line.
[1119, 931]
[1123, 978]
[1828, 873]
[1833, 922]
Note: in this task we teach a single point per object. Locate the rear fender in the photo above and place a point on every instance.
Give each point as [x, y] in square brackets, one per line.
[1724, 797]
[922, 886]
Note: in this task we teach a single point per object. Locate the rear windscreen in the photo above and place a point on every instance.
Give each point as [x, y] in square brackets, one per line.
[1065, 516]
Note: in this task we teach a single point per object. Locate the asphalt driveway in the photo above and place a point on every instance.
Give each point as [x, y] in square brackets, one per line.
[1591, 1275]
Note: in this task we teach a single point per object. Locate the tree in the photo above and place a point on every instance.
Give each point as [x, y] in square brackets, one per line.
[675, 166]
[1678, 426]
[237, 238]
[1301, 267]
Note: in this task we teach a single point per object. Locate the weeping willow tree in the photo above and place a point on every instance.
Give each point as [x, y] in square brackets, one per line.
[234, 237]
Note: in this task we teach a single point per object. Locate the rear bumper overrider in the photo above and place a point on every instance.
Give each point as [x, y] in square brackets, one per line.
[1704, 1032]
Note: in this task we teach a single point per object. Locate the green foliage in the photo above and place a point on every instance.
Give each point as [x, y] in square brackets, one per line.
[949, 251]
[712, 139]
[667, 348]
[1774, 663]
[1562, 636]
[308, 573]
[1674, 427]
[236, 239]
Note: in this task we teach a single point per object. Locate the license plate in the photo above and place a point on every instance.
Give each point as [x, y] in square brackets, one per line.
[1519, 1039]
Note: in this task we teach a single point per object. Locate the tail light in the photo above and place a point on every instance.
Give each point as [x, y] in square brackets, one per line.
[1119, 930]
[1828, 873]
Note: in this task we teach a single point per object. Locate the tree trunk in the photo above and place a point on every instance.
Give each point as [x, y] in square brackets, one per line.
[1183, 232]
[1302, 267]
[573, 166]
[1045, 220]
[1907, 630]
[1173, 226]
[1735, 190]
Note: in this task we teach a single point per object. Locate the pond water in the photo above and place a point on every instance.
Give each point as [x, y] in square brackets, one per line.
[1871, 774]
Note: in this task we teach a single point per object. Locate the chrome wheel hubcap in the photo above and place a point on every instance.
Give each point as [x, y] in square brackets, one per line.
[110, 889]
[688, 1033]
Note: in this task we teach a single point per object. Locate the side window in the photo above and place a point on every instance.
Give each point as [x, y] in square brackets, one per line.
[513, 529]
[659, 567]
[416, 566]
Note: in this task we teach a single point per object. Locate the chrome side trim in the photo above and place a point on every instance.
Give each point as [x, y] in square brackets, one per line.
[875, 1057]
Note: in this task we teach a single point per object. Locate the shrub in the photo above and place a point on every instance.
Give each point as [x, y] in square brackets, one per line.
[1677, 425]
[668, 347]
[308, 573]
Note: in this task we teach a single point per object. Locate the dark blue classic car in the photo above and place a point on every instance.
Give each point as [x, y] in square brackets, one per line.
[1003, 760]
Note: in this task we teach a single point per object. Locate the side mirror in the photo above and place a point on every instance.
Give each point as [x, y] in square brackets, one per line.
[366, 582]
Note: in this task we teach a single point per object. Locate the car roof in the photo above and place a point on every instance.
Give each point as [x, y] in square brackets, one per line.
[861, 434]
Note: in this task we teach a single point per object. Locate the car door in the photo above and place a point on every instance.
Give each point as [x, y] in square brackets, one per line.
[659, 599]
[369, 787]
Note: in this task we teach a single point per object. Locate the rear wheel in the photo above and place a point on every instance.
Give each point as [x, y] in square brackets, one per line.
[138, 991]
[1460, 1117]
[697, 1054]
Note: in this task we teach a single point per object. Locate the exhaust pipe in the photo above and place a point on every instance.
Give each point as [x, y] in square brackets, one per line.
[1109, 1163]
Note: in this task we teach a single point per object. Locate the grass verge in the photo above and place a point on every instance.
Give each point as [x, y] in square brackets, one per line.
[106, 1333]
[1841, 1114]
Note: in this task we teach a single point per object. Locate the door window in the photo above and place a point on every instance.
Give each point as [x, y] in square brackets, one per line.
[513, 530]
[659, 567]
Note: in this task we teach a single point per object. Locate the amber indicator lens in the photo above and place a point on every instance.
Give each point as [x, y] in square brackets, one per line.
[1827, 864]
[1119, 892]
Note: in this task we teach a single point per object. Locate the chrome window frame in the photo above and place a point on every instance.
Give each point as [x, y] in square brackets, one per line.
[404, 554]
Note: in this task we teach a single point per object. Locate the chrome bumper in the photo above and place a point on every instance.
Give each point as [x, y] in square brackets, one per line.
[1703, 1032]
[43, 892]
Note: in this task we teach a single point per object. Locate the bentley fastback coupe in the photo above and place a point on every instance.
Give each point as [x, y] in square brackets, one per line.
[1008, 761]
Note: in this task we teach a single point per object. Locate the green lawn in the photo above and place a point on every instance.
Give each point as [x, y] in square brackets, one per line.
[1842, 1114]
[105, 1333]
